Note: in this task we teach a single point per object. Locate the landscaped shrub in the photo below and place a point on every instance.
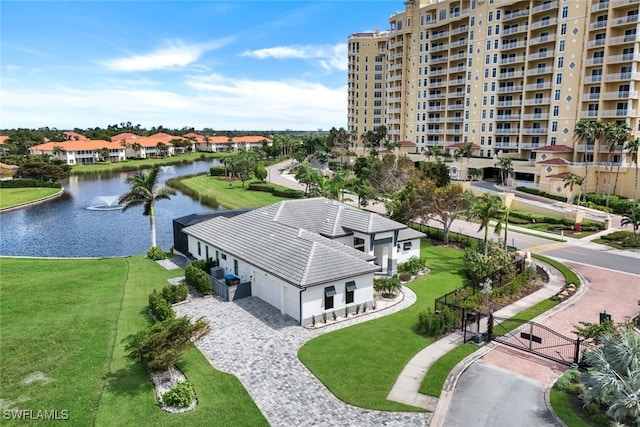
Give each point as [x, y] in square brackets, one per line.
[24, 183]
[155, 253]
[197, 279]
[434, 324]
[175, 293]
[404, 276]
[413, 265]
[204, 264]
[260, 186]
[159, 307]
[387, 286]
[180, 396]
[477, 266]
[217, 170]
[289, 193]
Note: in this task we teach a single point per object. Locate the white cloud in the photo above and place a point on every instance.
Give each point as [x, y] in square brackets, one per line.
[328, 56]
[174, 54]
[213, 101]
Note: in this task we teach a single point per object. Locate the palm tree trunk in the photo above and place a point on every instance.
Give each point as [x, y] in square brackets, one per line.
[595, 163]
[615, 185]
[152, 224]
[486, 239]
[506, 227]
[635, 187]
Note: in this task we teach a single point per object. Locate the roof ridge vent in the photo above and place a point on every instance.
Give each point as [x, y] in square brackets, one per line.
[307, 267]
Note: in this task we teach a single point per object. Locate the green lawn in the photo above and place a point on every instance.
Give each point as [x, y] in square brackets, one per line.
[17, 196]
[439, 371]
[569, 409]
[64, 320]
[361, 363]
[132, 165]
[230, 194]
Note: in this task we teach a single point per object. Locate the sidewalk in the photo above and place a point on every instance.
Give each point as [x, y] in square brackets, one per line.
[407, 386]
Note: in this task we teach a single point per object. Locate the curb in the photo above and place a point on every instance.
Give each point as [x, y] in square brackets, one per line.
[33, 202]
[444, 401]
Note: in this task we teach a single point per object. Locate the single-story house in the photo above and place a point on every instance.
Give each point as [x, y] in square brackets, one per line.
[305, 257]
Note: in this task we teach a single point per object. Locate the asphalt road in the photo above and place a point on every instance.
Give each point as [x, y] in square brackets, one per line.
[486, 395]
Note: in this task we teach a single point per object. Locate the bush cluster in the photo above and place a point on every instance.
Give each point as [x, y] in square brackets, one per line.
[25, 183]
[197, 279]
[217, 170]
[434, 324]
[180, 396]
[280, 192]
[413, 265]
[541, 193]
[173, 294]
[159, 307]
[205, 264]
[155, 253]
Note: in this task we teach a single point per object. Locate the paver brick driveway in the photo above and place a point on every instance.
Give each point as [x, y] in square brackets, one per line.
[253, 341]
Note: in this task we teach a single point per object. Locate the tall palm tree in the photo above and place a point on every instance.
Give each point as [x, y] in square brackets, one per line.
[585, 132]
[506, 168]
[434, 151]
[633, 147]
[485, 209]
[622, 135]
[465, 150]
[145, 192]
[632, 218]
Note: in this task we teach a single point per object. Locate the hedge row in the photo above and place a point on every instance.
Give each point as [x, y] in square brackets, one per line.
[28, 183]
[197, 279]
[288, 193]
[217, 170]
[541, 193]
[617, 204]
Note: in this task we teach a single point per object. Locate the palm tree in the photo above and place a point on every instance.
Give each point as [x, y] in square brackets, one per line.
[622, 136]
[570, 180]
[584, 132]
[613, 377]
[145, 192]
[465, 150]
[634, 148]
[433, 151]
[485, 209]
[632, 218]
[506, 168]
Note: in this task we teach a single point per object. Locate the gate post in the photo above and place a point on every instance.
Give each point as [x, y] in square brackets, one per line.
[490, 327]
[576, 356]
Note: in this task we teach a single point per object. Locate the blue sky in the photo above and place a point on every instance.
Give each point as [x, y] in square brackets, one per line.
[240, 65]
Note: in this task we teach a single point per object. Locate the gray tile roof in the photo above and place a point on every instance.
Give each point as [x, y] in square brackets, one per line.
[409, 234]
[287, 239]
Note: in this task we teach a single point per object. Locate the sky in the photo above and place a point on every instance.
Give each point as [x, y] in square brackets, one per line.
[240, 65]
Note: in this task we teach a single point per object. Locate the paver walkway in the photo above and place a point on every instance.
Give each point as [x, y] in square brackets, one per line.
[253, 341]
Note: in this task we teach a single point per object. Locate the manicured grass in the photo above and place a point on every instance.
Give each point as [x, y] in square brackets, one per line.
[569, 275]
[17, 196]
[439, 371]
[132, 165]
[536, 310]
[569, 409]
[360, 364]
[230, 194]
[616, 245]
[68, 318]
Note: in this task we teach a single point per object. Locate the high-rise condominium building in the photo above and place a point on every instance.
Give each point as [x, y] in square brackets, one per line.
[512, 77]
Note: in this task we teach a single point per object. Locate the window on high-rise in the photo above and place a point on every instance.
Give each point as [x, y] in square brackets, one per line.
[563, 29]
[561, 62]
[554, 126]
[557, 95]
[561, 46]
[565, 11]
[559, 78]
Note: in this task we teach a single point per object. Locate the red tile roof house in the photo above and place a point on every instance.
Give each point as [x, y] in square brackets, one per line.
[305, 257]
[81, 152]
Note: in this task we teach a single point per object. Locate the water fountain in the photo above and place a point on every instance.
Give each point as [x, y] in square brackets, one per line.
[106, 203]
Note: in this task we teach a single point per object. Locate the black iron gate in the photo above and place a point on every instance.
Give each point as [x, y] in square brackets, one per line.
[536, 339]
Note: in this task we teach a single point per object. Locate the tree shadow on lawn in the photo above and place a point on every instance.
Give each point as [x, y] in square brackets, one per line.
[129, 381]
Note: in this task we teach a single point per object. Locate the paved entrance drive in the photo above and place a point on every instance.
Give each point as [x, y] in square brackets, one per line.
[253, 341]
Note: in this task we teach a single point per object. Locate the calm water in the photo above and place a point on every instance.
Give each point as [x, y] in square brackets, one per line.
[67, 227]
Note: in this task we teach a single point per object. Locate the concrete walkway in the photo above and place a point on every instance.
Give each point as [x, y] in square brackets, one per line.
[407, 386]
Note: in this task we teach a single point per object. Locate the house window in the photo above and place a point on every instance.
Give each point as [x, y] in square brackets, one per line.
[329, 293]
[235, 267]
[349, 292]
[199, 249]
[224, 257]
[406, 246]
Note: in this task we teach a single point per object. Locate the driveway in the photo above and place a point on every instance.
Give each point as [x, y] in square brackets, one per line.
[493, 396]
[253, 341]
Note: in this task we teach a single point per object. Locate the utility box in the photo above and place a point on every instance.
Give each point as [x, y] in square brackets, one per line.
[217, 272]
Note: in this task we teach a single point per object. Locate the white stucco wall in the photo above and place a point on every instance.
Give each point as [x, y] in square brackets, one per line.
[404, 255]
[313, 298]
